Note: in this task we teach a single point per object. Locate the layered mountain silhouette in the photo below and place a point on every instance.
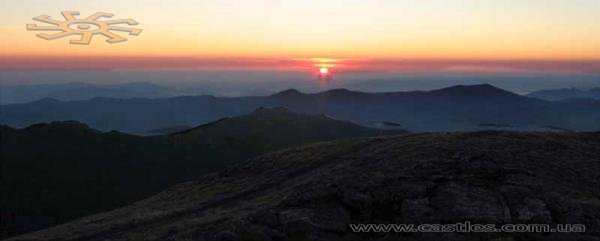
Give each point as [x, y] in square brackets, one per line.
[83, 91]
[565, 94]
[450, 109]
[61, 170]
[315, 192]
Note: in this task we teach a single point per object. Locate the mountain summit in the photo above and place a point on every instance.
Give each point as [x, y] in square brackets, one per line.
[287, 94]
[315, 192]
[482, 90]
[266, 128]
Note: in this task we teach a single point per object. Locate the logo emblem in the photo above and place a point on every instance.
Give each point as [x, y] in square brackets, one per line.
[86, 28]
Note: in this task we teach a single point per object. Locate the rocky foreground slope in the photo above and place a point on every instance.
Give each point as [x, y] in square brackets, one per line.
[53, 173]
[314, 192]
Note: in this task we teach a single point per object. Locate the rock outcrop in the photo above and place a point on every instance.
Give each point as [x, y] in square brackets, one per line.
[314, 192]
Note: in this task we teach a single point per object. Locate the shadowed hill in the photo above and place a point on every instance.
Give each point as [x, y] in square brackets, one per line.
[283, 126]
[58, 171]
[315, 192]
[449, 109]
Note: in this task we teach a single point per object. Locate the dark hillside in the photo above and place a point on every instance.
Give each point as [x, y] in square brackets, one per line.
[58, 171]
[315, 192]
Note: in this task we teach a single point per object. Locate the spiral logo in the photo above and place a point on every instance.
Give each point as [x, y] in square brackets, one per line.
[86, 28]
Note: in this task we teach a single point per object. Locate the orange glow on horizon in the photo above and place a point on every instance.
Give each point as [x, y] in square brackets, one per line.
[533, 30]
[341, 65]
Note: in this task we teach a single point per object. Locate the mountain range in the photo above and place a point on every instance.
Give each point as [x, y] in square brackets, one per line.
[456, 108]
[315, 192]
[565, 94]
[54, 172]
[82, 91]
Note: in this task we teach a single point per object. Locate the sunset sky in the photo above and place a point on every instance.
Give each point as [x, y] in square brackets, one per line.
[476, 35]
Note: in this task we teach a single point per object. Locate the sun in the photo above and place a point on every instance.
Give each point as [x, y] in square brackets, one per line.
[324, 70]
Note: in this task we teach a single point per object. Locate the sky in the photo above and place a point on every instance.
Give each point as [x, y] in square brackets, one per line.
[348, 35]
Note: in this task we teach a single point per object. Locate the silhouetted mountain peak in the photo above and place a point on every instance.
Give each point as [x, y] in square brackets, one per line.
[280, 121]
[332, 93]
[473, 90]
[71, 124]
[341, 93]
[288, 93]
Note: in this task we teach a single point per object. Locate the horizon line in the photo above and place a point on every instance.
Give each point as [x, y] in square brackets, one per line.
[340, 65]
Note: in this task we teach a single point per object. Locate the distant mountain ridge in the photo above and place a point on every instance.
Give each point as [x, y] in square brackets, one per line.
[57, 171]
[564, 94]
[457, 108]
[83, 91]
[482, 90]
